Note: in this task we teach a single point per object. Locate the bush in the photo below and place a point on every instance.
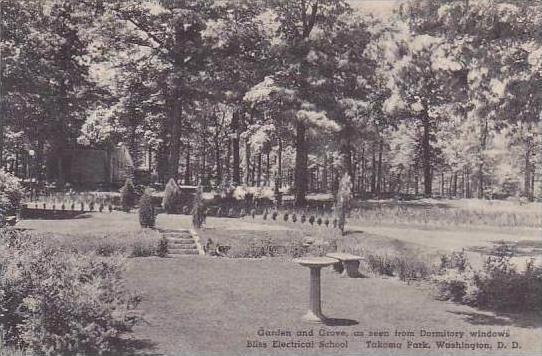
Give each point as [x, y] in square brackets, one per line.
[59, 301]
[128, 195]
[171, 201]
[11, 193]
[146, 211]
[497, 286]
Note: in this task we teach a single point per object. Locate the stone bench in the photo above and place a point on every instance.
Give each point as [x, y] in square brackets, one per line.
[347, 265]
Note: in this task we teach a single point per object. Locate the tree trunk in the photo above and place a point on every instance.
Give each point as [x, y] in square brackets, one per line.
[407, 192]
[346, 157]
[149, 159]
[279, 164]
[217, 159]
[259, 176]
[373, 176]
[268, 168]
[527, 174]
[531, 195]
[363, 169]
[426, 153]
[454, 189]
[483, 143]
[175, 138]
[442, 184]
[416, 180]
[379, 169]
[2, 123]
[203, 169]
[235, 143]
[467, 187]
[187, 171]
[300, 165]
[324, 173]
[247, 161]
[162, 162]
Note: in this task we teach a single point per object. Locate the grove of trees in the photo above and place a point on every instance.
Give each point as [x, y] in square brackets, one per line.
[444, 98]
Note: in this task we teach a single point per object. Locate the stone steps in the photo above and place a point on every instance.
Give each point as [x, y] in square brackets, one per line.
[181, 243]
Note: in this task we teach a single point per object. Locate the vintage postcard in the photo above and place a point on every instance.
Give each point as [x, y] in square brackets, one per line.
[271, 177]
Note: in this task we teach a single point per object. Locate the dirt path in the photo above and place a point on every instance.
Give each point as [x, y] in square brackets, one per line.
[197, 304]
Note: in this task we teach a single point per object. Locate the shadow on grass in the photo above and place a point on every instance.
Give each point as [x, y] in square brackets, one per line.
[522, 320]
[133, 347]
[56, 215]
[522, 248]
[340, 322]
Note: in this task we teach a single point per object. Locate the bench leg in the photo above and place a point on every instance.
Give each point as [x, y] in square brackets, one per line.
[338, 267]
[351, 269]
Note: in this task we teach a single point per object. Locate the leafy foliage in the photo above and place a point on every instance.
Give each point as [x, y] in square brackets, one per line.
[497, 286]
[11, 193]
[58, 301]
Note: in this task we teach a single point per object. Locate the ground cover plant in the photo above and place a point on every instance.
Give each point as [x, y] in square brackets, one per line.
[57, 299]
[141, 243]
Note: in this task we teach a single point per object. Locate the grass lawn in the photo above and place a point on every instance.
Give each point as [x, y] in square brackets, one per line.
[198, 304]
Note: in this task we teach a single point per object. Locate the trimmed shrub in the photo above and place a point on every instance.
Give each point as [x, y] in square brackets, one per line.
[171, 198]
[163, 247]
[198, 217]
[146, 211]
[128, 195]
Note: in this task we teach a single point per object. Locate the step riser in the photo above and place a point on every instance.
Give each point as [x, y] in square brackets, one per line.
[172, 235]
[188, 242]
[187, 253]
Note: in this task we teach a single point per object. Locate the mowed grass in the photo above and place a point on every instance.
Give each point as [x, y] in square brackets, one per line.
[203, 304]
[196, 304]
